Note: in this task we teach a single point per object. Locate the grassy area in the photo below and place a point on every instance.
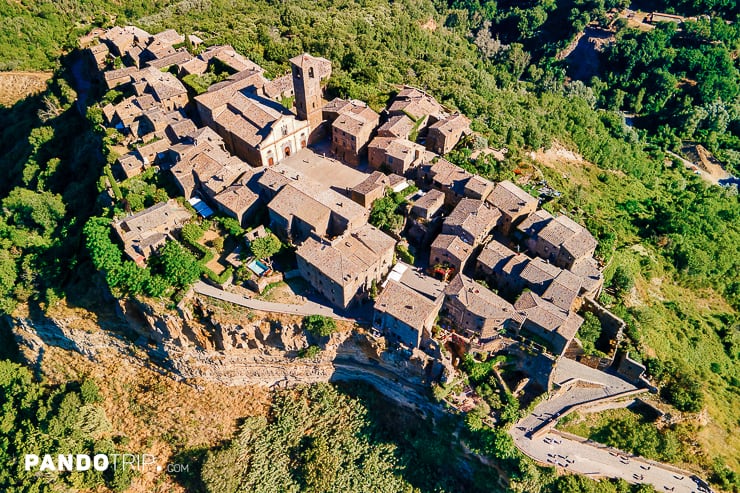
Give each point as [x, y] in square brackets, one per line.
[632, 432]
[666, 320]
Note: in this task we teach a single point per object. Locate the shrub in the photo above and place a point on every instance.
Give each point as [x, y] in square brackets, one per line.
[309, 352]
[319, 325]
[684, 393]
[404, 254]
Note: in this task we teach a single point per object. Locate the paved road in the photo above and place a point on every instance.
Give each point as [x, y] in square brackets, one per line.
[578, 455]
[583, 385]
[308, 308]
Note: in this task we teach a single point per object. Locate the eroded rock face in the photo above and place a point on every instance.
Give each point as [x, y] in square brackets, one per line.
[250, 351]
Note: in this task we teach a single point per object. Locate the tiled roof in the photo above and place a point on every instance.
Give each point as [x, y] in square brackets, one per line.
[276, 87]
[495, 255]
[237, 198]
[588, 271]
[372, 182]
[290, 202]
[535, 222]
[537, 272]
[432, 199]
[454, 246]
[396, 126]
[510, 198]
[406, 305]
[472, 216]
[480, 301]
[450, 123]
[563, 290]
[348, 257]
[415, 103]
[559, 230]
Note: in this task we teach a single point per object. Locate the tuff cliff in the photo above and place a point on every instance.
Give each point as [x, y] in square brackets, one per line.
[201, 341]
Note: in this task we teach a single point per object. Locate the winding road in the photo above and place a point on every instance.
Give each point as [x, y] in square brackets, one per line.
[580, 386]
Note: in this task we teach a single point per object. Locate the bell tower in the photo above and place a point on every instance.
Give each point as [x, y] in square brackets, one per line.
[308, 73]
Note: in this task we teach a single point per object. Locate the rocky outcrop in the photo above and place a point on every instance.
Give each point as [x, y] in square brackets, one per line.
[254, 351]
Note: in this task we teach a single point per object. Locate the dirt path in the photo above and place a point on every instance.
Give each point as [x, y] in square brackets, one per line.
[17, 85]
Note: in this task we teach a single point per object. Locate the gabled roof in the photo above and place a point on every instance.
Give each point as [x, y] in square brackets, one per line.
[453, 245]
[541, 312]
[348, 257]
[535, 222]
[472, 216]
[495, 255]
[354, 118]
[291, 201]
[396, 126]
[433, 199]
[564, 231]
[415, 103]
[406, 305]
[537, 272]
[587, 269]
[375, 180]
[580, 244]
[451, 123]
[563, 290]
[510, 198]
[278, 86]
[478, 187]
[237, 198]
[480, 301]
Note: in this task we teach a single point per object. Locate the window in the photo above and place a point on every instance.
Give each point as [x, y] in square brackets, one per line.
[310, 72]
[285, 130]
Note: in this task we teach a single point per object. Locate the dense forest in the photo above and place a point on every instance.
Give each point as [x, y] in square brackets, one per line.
[657, 223]
[37, 419]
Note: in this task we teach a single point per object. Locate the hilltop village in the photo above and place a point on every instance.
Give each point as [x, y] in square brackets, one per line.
[490, 267]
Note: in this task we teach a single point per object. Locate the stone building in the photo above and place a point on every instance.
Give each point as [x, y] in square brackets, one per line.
[403, 315]
[398, 126]
[477, 312]
[562, 241]
[144, 232]
[346, 269]
[238, 201]
[554, 326]
[374, 186]
[295, 215]
[444, 135]
[428, 205]
[514, 203]
[395, 154]
[417, 105]
[254, 128]
[471, 220]
[451, 251]
[351, 131]
[308, 73]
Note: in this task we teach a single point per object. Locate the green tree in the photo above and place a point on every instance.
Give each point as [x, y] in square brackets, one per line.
[178, 266]
[319, 325]
[622, 281]
[265, 246]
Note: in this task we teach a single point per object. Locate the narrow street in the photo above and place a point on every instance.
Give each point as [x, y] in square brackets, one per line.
[308, 308]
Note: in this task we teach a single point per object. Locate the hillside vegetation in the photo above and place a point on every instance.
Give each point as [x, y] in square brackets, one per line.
[671, 242]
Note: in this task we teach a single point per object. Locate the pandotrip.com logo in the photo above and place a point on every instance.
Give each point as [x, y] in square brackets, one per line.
[98, 462]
